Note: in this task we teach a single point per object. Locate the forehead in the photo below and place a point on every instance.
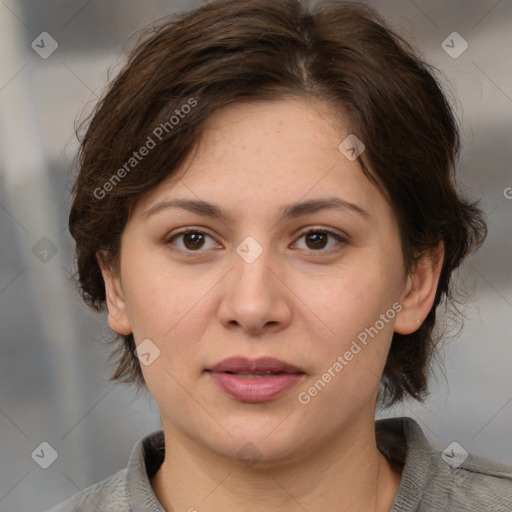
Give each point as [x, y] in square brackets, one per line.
[265, 154]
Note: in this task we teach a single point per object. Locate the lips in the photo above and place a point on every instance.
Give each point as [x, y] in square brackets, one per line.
[255, 380]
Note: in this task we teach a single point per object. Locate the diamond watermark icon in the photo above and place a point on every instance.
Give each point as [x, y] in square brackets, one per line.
[351, 147]
[249, 249]
[44, 250]
[45, 455]
[44, 45]
[249, 454]
[454, 455]
[454, 45]
[147, 352]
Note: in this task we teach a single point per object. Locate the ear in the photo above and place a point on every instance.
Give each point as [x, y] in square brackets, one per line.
[116, 305]
[420, 290]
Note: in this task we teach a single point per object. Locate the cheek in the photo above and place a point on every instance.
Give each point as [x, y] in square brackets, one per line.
[357, 318]
[162, 299]
[172, 309]
[350, 301]
[349, 358]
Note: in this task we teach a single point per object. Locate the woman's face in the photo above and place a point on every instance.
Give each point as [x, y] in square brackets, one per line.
[306, 268]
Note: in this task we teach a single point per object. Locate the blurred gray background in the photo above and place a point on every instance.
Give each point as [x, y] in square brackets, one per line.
[54, 384]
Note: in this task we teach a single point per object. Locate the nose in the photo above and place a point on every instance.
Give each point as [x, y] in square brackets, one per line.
[255, 297]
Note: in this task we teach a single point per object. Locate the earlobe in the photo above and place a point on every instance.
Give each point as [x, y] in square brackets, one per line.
[420, 290]
[117, 315]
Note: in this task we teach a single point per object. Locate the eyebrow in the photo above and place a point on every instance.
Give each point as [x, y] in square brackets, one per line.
[286, 212]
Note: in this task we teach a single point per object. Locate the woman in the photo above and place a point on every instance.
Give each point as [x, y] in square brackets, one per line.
[266, 205]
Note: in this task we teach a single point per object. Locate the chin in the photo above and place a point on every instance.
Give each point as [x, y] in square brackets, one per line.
[261, 454]
[259, 444]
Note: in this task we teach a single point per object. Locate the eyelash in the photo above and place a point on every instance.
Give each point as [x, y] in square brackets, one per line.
[340, 238]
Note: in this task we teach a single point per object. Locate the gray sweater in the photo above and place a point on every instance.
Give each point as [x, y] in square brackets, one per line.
[431, 481]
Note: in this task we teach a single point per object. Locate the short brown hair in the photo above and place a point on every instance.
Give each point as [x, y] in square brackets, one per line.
[260, 50]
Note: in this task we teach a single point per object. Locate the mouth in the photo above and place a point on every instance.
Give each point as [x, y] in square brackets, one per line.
[254, 375]
[255, 380]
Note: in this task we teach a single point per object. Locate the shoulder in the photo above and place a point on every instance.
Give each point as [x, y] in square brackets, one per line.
[129, 489]
[442, 480]
[477, 483]
[102, 496]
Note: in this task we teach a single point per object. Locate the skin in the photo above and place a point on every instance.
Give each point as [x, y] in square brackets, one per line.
[301, 301]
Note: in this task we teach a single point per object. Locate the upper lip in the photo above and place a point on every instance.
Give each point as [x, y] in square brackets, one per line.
[260, 365]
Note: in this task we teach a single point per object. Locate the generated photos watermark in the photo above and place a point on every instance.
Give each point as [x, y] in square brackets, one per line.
[341, 361]
[151, 142]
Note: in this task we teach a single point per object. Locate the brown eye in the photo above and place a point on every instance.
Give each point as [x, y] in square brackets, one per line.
[193, 240]
[317, 240]
[190, 240]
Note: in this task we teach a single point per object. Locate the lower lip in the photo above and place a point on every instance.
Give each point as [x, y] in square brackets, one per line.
[255, 389]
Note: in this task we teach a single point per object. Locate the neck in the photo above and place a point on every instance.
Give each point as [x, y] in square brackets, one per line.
[348, 473]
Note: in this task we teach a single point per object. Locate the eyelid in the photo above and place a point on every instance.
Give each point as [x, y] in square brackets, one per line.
[330, 231]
